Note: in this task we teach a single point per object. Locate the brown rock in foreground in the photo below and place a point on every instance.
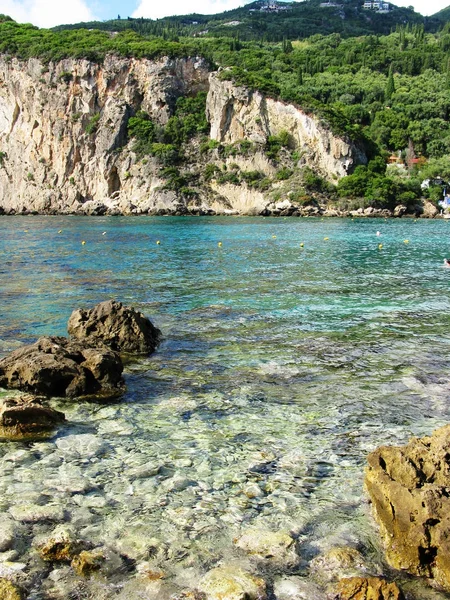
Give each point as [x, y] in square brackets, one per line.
[55, 366]
[371, 588]
[120, 328]
[410, 490]
[26, 414]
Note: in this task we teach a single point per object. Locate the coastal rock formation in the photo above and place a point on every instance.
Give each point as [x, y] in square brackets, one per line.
[65, 145]
[55, 366]
[120, 328]
[25, 415]
[338, 563]
[371, 588]
[237, 113]
[410, 490]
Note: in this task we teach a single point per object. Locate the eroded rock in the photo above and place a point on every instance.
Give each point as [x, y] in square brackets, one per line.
[120, 328]
[337, 563]
[55, 366]
[410, 491]
[87, 562]
[371, 588]
[23, 415]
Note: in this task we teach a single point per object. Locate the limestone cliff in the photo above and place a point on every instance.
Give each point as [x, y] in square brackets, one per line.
[64, 146]
[236, 113]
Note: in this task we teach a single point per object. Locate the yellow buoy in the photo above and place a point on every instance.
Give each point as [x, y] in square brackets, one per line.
[26, 231]
[301, 245]
[220, 244]
[406, 241]
[380, 246]
[274, 237]
[158, 242]
[104, 233]
[60, 231]
[326, 239]
[83, 243]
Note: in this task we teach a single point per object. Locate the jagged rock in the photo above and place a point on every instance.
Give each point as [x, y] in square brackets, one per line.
[9, 591]
[429, 210]
[61, 546]
[275, 547]
[23, 415]
[120, 328]
[55, 366]
[232, 583]
[371, 588]
[410, 491]
[400, 210]
[8, 532]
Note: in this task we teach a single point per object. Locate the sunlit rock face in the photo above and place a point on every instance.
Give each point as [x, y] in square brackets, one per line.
[65, 148]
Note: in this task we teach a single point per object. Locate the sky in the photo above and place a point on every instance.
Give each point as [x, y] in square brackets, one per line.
[47, 13]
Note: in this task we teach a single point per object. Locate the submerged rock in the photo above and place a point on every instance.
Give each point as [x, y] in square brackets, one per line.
[87, 562]
[297, 588]
[61, 546]
[371, 588]
[410, 490]
[120, 328]
[274, 547]
[232, 583]
[336, 564]
[23, 415]
[55, 366]
[9, 591]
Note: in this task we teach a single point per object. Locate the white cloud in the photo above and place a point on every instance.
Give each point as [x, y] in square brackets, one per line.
[157, 10]
[46, 13]
[424, 7]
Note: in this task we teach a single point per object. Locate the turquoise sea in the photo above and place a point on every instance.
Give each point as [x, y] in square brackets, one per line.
[281, 368]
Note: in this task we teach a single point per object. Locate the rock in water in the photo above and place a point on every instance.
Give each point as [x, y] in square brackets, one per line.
[410, 490]
[55, 366]
[371, 588]
[232, 583]
[23, 415]
[9, 591]
[120, 328]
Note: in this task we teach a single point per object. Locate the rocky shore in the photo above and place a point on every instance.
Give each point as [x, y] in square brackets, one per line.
[408, 487]
[284, 208]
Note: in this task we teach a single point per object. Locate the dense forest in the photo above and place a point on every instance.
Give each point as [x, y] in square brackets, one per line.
[390, 92]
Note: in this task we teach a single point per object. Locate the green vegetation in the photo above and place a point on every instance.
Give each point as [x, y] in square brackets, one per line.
[387, 88]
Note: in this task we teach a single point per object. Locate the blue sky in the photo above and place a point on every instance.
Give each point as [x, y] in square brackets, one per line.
[47, 13]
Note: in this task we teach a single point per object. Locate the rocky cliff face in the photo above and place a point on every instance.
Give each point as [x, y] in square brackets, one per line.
[236, 113]
[64, 145]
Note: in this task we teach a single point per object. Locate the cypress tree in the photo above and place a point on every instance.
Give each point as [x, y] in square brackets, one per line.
[390, 85]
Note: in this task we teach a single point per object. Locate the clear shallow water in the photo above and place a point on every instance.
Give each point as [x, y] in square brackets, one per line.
[281, 368]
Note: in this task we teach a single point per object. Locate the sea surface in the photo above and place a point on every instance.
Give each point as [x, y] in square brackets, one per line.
[290, 351]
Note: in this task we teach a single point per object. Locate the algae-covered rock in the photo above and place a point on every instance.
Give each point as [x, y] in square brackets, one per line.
[61, 546]
[121, 328]
[276, 547]
[87, 562]
[10, 591]
[410, 491]
[232, 583]
[55, 366]
[371, 588]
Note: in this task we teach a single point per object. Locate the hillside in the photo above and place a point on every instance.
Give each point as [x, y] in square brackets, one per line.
[279, 20]
[380, 95]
